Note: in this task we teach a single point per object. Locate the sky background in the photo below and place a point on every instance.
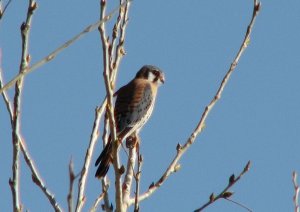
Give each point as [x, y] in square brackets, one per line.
[194, 43]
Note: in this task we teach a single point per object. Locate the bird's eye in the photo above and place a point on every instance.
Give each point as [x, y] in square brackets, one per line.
[155, 73]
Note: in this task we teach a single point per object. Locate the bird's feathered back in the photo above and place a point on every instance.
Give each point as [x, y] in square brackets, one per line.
[133, 107]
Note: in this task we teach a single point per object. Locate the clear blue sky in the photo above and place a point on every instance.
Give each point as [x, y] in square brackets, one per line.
[194, 42]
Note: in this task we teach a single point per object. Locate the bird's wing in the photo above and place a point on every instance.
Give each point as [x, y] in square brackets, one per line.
[132, 105]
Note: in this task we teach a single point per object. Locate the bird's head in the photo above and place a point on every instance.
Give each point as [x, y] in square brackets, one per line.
[152, 74]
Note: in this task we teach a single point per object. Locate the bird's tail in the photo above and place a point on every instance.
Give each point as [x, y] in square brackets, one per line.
[104, 159]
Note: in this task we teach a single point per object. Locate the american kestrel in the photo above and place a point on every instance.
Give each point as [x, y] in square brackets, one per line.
[133, 108]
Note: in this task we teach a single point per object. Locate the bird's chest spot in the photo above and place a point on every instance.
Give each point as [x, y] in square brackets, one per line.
[146, 104]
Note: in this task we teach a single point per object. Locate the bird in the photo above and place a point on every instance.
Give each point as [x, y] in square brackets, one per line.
[133, 107]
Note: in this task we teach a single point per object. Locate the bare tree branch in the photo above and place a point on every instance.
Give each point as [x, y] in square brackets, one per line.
[107, 206]
[53, 54]
[120, 51]
[88, 157]
[239, 204]
[72, 177]
[226, 194]
[110, 107]
[115, 34]
[182, 149]
[296, 195]
[36, 177]
[99, 198]
[110, 68]
[104, 182]
[5, 95]
[25, 58]
[137, 182]
[127, 184]
[5, 8]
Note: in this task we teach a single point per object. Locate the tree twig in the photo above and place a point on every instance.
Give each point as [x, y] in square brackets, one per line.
[137, 182]
[110, 107]
[96, 203]
[182, 149]
[226, 194]
[88, 157]
[110, 68]
[16, 134]
[107, 206]
[120, 50]
[4, 9]
[72, 177]
[114, 64]
[127, 184]
[36, 177]
[239, 204]
[5, 95]
[296, 195]
[104, 181]
[53, 54]
[115, 34]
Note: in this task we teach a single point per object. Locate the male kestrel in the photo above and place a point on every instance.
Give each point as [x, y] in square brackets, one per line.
[133, 108]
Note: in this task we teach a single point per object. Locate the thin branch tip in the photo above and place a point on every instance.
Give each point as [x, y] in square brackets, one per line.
[258, 6]
[59, 49]
[231, 179]
[200, 126]
[225, 193]
[247, 167]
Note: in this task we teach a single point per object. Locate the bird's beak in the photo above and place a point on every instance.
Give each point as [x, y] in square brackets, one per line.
[162, 78]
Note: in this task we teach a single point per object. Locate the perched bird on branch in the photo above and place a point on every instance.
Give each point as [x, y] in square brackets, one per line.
[133, 108]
